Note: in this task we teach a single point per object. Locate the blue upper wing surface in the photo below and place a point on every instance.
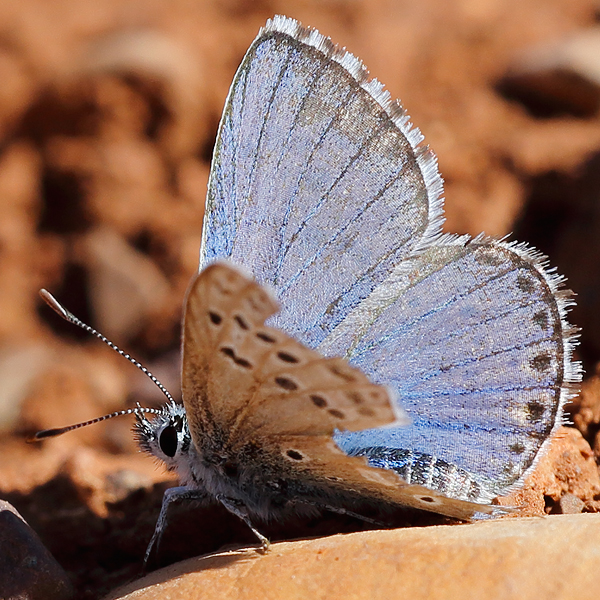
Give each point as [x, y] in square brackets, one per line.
[317, 184]
[319, 187]
[471, 335]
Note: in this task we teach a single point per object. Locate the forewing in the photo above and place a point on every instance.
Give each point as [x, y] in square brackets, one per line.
[472, 337]
[317, 185]
[244, 381]
[217, 298]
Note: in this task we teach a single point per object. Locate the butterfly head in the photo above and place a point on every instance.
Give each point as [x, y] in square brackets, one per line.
[166, 436]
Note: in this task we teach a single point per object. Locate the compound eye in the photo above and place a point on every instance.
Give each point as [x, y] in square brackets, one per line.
[168, 441]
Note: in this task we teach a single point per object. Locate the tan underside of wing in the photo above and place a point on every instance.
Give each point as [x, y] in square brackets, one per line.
[247, 382]
[215, 295]
[322, 460]
[252, 381]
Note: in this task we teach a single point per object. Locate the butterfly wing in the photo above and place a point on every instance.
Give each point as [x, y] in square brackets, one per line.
[242, 376]
[472, 336]
[317, 185]
[246, 385]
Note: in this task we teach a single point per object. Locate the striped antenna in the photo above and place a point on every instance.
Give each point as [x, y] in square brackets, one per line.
[48, 433]
[55, 305]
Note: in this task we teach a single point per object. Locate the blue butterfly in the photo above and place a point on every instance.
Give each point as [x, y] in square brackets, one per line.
[321, 190]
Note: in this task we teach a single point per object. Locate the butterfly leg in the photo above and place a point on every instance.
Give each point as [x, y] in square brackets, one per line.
[343, 511]
[235, 507]
[174, 494]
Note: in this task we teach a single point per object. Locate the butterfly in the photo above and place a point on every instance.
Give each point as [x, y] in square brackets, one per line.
[361, 357]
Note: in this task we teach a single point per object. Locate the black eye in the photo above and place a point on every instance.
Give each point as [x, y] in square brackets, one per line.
[168, 441]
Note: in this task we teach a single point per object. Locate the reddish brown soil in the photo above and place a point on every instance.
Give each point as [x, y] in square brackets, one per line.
[108, 114]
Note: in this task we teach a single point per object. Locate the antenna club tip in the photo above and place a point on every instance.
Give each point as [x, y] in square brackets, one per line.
[53, 303]
[44, 434]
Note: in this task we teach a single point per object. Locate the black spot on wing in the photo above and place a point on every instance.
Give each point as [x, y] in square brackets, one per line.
[541, 318]
[343, 372]
[265, 337]
[318, 401]
[286, 383]
[535, 411]
[238, 360]
[338, 414]
[541, 362]
[525, 284]
[287, 357]
[517, 448]
[355, 397]
[215, 318]
[294, 454]
[241, 322]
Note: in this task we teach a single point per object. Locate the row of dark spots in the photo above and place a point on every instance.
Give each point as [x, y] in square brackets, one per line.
[238, 360]
[365, 411]
[346, 375]
[284, 382]
[320, 402]
[217, 319]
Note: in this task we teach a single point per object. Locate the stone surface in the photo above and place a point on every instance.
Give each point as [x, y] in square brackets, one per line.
[118, 271]
[27, 570]
[562, 76]
[108, 114]
[586, 409]
[19, 367]
[520, 559]
[567, 469]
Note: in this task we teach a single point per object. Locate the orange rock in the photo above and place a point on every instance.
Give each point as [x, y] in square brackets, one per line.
[569, 467]
[551, 557]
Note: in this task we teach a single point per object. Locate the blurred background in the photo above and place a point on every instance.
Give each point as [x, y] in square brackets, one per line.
[108, 115]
